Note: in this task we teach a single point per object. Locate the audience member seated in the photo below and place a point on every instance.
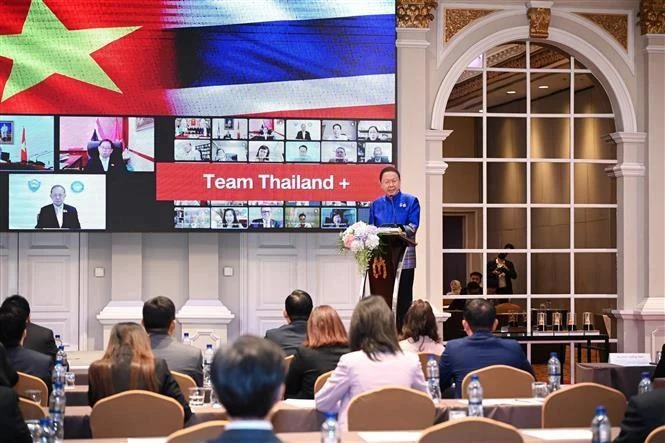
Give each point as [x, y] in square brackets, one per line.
[477, 278]
[128, 363]
[376, 360]
[8, 375]
[38, 338]
[297, 307]
[12, 426]
[455, 288]
[248, 377]
[12, 334]
[660, 367]
[325, 343]
[643, 414]
[159, 322]
[420, 332]
[480, 348]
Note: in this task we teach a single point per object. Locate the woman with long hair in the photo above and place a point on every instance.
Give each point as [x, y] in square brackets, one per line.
[420, 333]
[375, 360]
[326, 341]
[230, 218]
[128, 363]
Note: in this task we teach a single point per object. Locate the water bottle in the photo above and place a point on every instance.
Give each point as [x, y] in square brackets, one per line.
[475, 394]
[553, 373]
[58, 373]
[62, 356]
[186, 340]
[45, 431]
[600, 426]
[330, 430]
[433, 379]
[207, 363]
[56, 409]
[58, 341]
[645, 384]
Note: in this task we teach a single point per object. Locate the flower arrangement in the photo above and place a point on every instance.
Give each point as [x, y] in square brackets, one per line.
[362, 240]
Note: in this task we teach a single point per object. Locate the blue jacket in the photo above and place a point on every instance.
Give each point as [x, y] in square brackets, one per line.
[402, 209]
[478, 351]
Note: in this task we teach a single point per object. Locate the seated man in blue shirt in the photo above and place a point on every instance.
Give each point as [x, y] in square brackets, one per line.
[480, 348]
[398, 208]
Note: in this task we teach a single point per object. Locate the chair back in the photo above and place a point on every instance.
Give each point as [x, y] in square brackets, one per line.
[30, 410]
[656, 436]
[391, 408]
[659, 383]
[26, 382]
[501, 381]
[424, 358]
[207, 431]
[185, 382]
[575, 406]
[321, 380]
[135, 413]
[288, 359]
[472, 429]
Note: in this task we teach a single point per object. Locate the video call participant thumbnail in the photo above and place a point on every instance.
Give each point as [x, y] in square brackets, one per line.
[106, 159]
[265, 217]
[302, 218]
[58, 215]
[229, 218]
[335, 218]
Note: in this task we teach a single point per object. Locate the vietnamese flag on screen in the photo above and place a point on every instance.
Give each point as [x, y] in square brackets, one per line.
[323, 58]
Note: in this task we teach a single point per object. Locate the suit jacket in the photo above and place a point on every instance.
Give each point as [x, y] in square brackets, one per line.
[299, 136]
[40, 339]
[382, 159]
[247, 435]
[179, 357]
[12, 427]
[493, 279]
[8, 375]
[477, 351]
[289, 337]
[258, 223]
[166, 384]
[47, 218]
[357, 373]
[643, 414]
[31, 362]
[660, 368]
[116, 164]
[307, 365]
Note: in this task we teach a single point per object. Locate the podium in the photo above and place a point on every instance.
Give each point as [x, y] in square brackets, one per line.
[385, 266]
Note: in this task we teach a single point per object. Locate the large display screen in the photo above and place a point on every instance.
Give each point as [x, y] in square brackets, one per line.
[231, 115]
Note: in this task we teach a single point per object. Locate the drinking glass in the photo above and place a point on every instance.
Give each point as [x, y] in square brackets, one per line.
[34, 395]
[588, 321]
[539, 389]
[556, 321]
[571, 321]
[70, 380]
[196, 396]
[35, 429]
[542, 316]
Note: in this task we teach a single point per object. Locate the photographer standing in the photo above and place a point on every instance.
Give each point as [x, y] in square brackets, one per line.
[500, 274]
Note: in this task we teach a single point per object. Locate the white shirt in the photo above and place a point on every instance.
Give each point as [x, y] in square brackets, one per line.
[425, 344]
[58, 214]
[249, 424]
[105, 163]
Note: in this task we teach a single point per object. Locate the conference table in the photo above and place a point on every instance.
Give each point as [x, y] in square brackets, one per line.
[622, 378]
[298, 416]
[557, 435]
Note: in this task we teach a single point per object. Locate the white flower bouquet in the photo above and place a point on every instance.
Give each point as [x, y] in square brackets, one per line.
[362, 240]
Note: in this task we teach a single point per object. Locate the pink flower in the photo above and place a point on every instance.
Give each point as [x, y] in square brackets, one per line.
[348, 239]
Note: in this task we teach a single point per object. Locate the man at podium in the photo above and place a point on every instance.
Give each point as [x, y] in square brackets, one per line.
[398, 208]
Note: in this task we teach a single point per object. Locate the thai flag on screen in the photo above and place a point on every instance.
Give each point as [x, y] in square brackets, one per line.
[309, 58]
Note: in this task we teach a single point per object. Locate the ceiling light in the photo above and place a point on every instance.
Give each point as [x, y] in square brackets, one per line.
[543, 87]
[511, 92]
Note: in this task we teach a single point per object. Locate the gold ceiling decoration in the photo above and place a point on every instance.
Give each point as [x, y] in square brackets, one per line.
[539, 22]
[415, 13]
[652, 16]
[615, 24]
[458, 19]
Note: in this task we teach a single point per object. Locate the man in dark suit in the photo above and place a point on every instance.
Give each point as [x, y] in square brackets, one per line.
[643, 414]
[38, 338]
[58, 214]
[248, 377]
[378, 156]
[107, 161]
[12, 426]
[500, 275]
[336, 220]
[266, 220]
[8, 375]
[159, 322]
[297, 307]
[660, 365]
[12, 333]
[480, 348]
[303, 134]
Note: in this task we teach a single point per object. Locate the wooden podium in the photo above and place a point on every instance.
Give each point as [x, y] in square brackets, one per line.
[386, 266]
